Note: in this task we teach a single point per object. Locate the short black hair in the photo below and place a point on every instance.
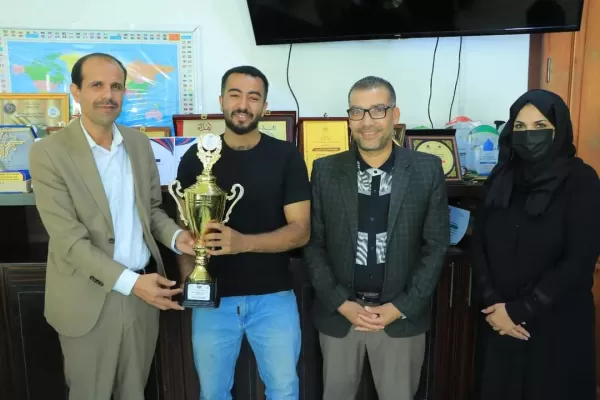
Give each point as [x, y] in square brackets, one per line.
[372, 82]
[76, 72]
[245, 70]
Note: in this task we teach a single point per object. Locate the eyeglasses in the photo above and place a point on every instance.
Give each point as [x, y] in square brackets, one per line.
[378, 112]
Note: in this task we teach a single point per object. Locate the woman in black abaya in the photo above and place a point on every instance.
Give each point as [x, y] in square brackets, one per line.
[536, 242]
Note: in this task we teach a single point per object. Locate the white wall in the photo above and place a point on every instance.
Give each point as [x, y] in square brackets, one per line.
[493, 73]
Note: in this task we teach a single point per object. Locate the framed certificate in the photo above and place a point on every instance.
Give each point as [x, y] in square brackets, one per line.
[319, 137]
[442, 146]
[155, 131]
[39, 109]
[194, 124]
[278, 124]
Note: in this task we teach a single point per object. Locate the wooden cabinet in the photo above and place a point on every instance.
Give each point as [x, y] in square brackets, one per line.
[33, 349]
[31, 364]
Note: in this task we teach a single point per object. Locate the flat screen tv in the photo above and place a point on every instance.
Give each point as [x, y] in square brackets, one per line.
[302, 21]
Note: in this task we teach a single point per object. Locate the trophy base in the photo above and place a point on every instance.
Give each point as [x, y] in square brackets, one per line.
[200, 295]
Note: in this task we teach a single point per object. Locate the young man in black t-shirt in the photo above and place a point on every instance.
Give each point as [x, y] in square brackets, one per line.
[250, 256]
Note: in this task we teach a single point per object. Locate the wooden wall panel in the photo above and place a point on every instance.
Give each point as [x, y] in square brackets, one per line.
[568, 64]
[557, 63]
[585, 101]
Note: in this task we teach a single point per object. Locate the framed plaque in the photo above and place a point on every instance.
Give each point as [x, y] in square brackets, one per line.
[398, 134]
[189, 125]
[319, 137]
[278, 124]
[418, 132]
[40, 109]
[155, 131]
[442, 146]
[15, 142]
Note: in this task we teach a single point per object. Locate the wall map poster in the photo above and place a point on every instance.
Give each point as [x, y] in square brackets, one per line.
[162, 67]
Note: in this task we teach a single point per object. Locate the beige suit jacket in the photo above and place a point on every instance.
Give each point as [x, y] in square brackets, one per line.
[74, 210]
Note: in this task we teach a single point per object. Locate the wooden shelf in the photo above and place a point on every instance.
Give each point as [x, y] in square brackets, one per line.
[17, 199]
[464, 189]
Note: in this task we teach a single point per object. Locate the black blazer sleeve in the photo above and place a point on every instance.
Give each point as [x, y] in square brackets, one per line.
[436, 239]
[329, 291]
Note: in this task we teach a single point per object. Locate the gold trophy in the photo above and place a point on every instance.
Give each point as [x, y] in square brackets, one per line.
[203, 202]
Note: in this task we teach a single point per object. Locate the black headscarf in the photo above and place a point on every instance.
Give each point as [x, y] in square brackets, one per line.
[539, 179]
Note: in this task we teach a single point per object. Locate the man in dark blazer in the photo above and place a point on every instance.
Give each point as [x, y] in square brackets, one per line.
[380, 231]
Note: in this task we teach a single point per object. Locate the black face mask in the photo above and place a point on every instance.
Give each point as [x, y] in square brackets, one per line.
[532, 145]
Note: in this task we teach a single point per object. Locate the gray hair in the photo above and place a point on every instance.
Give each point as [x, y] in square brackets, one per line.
[373, 82]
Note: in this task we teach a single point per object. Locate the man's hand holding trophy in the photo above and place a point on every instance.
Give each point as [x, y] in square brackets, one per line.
[203, 212]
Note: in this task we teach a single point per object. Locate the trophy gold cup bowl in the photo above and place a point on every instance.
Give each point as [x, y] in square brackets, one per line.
[203, 202]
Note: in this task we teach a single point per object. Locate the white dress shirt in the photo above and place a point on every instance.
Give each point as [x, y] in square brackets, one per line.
[115, 172]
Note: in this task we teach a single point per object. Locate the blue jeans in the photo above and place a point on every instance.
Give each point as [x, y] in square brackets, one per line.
[272, 327]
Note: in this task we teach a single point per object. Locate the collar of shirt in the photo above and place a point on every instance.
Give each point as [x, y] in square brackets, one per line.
[117, 137]
[387, 166]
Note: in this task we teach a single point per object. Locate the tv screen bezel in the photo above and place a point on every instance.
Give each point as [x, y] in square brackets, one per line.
[417, 35]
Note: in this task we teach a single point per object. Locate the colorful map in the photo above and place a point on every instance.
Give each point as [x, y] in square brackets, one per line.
[160, 68]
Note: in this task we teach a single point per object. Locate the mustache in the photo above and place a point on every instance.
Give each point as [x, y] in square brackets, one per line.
[242, 111]
[106, 103]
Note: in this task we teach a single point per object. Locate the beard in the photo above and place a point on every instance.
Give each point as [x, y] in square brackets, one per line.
[244, 128]
[372, 145]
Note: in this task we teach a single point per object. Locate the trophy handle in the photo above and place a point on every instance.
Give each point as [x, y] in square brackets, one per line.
[176, 197]
[237, 197]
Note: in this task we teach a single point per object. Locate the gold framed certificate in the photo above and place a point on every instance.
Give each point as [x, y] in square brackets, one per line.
[278, 124]
[320, 137]
[442, 146]
[40, 109]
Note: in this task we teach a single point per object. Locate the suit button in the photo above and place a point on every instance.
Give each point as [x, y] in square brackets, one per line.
[111, 240]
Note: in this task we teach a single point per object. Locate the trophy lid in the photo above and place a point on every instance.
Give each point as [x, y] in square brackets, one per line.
[209, 151]
[210, 141]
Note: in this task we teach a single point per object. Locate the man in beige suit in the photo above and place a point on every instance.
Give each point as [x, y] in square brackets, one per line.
[98, 193]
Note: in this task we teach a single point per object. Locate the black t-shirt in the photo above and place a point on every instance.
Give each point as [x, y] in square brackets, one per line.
[273, 174]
